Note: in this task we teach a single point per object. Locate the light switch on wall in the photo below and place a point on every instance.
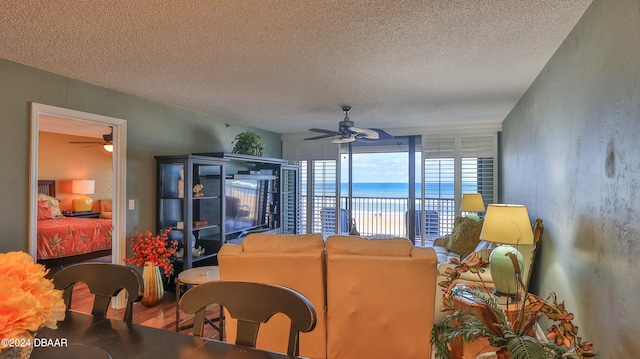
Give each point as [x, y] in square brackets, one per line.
[131, 205]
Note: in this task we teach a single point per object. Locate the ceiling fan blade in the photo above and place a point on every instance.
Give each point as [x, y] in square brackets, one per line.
[321, 136]
[324, 131]
[364, 133]
[382, 136]
[343, 139]
[108, 138]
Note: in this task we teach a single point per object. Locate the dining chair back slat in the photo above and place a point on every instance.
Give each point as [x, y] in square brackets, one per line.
[251, 304]
[104, 280]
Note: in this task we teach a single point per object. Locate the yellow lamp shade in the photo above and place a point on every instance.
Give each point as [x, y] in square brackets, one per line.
[472, 202]
[507, 224]
[83, 187]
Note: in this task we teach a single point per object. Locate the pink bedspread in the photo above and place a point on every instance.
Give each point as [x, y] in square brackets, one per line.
[62, 237]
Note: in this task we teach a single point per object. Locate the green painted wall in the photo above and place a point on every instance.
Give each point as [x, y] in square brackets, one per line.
[152, 129]
[571, 153]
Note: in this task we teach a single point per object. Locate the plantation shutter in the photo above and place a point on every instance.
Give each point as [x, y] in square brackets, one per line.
[478, 154]
[290, 199]
[304, 197]
[325, 194]
[455, 164]
[439, 169]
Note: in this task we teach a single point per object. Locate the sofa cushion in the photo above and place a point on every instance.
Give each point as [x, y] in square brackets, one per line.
[395, 247]
[444, 255]
[362, 282]
[465, 236]
[282, 243]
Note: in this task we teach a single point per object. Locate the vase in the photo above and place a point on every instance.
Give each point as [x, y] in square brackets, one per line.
[17, 352]
[153, 286]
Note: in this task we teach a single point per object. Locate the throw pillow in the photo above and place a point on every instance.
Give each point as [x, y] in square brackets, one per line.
[465, 236]
[44, 211]
[54, 204]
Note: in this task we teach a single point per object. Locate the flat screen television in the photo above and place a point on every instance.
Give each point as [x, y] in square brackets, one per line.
[246, 204]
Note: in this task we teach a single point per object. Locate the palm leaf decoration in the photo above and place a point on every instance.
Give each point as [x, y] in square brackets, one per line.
[487, 319]
[524, 347]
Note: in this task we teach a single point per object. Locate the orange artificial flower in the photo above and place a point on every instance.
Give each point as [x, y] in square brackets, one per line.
[28, 300]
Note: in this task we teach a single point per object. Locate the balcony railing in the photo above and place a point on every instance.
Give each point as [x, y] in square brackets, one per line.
[386, 217]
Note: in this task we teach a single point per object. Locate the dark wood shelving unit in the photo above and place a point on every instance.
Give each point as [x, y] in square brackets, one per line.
[197, 221]
[281, 196]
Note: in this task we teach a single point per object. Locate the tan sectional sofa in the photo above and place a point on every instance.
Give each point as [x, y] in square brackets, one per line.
[373, 298]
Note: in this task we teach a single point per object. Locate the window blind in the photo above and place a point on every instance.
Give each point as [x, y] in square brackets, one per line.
[456, 164]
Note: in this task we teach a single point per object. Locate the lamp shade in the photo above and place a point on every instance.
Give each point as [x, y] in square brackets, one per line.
[83, 186]
[507, 224]
[472, 202]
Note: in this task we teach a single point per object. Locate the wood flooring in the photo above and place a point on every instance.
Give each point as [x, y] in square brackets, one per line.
[162, 316]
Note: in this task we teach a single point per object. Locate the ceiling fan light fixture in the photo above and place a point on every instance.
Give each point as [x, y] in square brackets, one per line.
[348, 132]
[108, 147]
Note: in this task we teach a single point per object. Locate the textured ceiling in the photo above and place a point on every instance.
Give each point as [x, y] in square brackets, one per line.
[286, 66]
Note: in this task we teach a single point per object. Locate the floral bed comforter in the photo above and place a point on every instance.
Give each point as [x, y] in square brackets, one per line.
[64, 236]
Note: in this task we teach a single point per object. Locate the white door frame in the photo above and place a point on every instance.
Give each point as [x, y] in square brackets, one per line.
[118, 242]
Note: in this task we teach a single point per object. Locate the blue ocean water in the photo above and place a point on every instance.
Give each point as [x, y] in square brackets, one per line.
[401, 190]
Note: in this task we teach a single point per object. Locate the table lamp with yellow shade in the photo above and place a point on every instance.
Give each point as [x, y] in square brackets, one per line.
[509, 225]
[472, 203]
[83, 188]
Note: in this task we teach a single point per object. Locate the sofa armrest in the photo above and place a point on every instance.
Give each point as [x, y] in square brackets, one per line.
[440, 242]
[444, 255]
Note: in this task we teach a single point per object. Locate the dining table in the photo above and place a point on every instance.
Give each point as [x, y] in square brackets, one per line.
[82, 335]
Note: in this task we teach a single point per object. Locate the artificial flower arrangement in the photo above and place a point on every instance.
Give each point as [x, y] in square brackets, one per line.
[28, 300]
[517, 339]
[155, 249]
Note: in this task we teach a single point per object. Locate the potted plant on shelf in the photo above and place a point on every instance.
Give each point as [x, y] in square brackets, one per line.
[487, 318]
[248, 143]
[152, 252]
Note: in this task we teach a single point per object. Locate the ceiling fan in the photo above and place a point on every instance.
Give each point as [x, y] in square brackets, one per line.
[347, 132]
[107, 142]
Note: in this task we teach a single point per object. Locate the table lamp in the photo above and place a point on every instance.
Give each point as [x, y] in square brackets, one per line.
[507, 224]
[472, 202]
[83, 187]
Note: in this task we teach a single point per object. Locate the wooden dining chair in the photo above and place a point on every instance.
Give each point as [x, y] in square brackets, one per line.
[105, 280]
[251, 304]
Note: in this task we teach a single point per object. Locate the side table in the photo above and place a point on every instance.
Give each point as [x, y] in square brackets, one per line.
[82, 214]
[480, 346]
[197, 276]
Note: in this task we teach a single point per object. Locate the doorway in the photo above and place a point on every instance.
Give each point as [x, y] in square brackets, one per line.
[38, 113]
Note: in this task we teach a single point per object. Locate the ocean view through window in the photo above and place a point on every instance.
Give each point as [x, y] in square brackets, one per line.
[380, 203]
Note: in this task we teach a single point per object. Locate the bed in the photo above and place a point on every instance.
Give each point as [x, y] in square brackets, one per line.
[65, 240]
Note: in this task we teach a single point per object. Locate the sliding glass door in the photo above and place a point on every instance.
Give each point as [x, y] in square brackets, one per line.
[378, 185]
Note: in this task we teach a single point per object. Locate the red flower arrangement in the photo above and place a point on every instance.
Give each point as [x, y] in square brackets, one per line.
[156, 249]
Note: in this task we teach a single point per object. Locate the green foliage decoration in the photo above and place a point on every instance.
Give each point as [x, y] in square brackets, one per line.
[248, 143]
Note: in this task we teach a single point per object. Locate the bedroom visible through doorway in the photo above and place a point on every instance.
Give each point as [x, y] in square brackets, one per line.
[79, 162]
